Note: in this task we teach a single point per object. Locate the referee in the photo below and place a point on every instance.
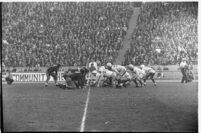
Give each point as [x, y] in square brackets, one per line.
[183, 66]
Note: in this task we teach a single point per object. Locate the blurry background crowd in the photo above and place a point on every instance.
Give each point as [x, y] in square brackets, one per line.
[74, 33]
[165, 33]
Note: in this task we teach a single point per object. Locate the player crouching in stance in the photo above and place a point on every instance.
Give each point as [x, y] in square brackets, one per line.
[150, 72]
[137, 74]
[75, 78]
[123, 77]
[92, 74]
[9, 78]
[52, 71]
[109, 77]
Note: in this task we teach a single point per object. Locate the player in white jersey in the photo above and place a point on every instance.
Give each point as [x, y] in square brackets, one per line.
[101, 68]
[150, 72]
[109, 77]
[123, 77]
[137, 75]
[139, 72]
[100, 75]
[93, 67]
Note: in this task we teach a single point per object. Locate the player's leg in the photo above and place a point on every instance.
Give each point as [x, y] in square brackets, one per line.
[183, 75]
[80, 82]
[126, 79]
[152, 78]
[119, 80]
[76, 83]
[186, 75]
[48, 78]
[55, 78]
[104, 84]
[141, 78]
[146, 77]
[114, 78]
[89, 77]
[110, 80]
[68, 80]
[135, 81]
[98, 79]
[140, 81]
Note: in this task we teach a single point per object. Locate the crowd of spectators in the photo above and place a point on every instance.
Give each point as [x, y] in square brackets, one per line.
[165, 33]
[70, 33]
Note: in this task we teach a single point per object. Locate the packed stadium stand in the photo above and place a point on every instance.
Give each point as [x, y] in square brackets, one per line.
[47, 33]
[72, 33]
[166, 33]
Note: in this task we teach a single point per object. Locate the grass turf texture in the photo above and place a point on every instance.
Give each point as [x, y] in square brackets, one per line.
[166, 107]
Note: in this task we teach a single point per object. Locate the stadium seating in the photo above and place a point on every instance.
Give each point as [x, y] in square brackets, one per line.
[169, 27]
[69, 33]
[72, 33]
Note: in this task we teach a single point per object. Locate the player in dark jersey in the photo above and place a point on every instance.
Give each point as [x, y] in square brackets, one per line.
[52, 71]
[9, 78]
[75, 77]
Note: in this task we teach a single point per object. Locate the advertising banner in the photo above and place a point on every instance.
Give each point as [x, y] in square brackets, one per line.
[34, 77]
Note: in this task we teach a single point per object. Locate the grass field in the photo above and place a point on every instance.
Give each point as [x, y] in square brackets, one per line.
[166, 107]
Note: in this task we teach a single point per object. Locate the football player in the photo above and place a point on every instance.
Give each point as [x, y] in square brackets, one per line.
[150, 72]
[52, 71]
[75, 78]
[138, 74]
[9, 78]
[123, 77]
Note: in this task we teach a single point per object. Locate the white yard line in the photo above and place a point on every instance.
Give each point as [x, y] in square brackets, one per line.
[82, 126]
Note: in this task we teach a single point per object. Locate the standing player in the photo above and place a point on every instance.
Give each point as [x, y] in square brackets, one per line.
[150, 72]
[183, 66]
[52, 71]
[9, 77]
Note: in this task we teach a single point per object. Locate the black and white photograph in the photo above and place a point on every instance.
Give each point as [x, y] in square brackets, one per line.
[99, 66]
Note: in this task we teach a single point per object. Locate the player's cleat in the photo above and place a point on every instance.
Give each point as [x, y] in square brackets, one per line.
[124, 85]
[84, 87]
[46, 84]
[144, 84]
[62, 86]
[118, 86]
[57, 84]
[154, 84]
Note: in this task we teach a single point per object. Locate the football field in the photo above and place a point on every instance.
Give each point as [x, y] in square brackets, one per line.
[170, 106]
